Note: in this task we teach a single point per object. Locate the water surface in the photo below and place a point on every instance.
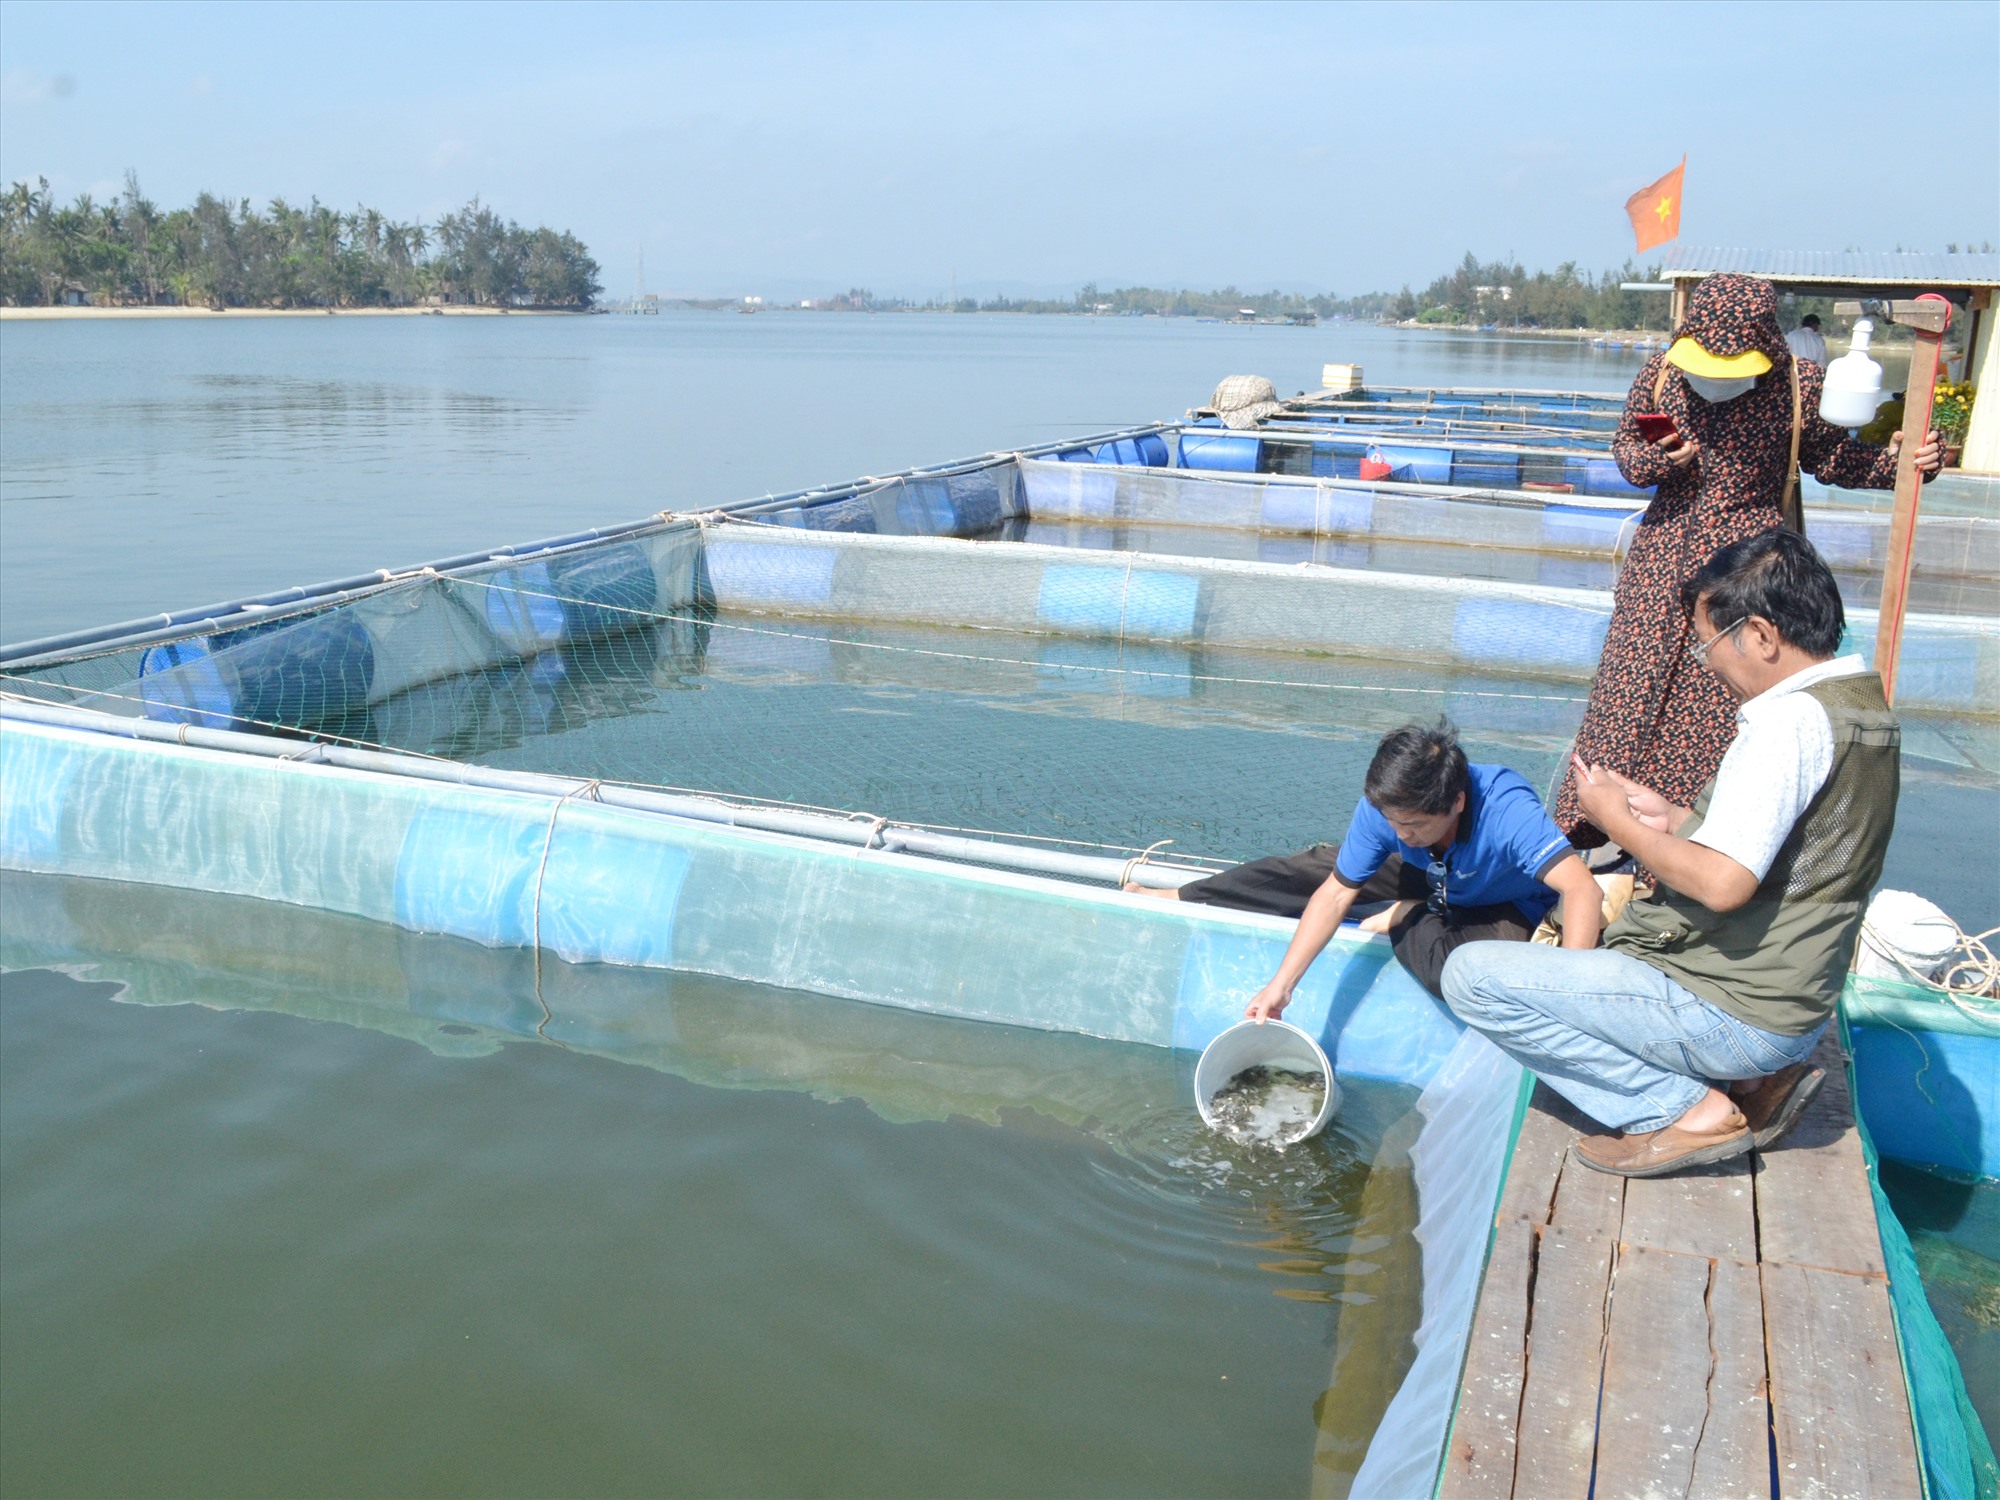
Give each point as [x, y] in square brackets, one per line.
[300, 1205]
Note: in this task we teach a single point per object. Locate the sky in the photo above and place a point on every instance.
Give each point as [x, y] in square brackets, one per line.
[798, 150]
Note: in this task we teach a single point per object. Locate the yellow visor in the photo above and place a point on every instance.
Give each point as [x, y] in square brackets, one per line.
[1687, 355]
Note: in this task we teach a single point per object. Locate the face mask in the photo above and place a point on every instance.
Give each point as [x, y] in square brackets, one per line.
[1718, 391]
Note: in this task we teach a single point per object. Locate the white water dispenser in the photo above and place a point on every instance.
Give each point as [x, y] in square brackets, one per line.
[1853, 383]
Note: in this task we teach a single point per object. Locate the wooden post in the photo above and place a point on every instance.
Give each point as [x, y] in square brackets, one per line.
[1930, 316]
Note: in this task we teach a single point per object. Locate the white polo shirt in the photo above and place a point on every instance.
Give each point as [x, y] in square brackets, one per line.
[1780, 758]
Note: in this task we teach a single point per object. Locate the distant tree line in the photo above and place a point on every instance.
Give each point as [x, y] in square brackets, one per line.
[127, 252]
[1493, 293]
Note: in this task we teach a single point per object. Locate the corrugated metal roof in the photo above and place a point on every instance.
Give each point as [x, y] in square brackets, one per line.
[1884, 268]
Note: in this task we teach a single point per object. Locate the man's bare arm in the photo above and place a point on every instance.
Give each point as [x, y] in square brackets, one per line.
[1317, 924]
[1641, 823]
[1582, 901]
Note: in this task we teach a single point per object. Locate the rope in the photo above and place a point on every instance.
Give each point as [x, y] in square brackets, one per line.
[875, 826]
[1971, 971]
[1143, 857]
[1125, 595]
[589, 788]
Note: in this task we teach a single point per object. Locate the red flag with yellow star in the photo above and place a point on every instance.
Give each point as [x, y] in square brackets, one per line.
[1656, 209]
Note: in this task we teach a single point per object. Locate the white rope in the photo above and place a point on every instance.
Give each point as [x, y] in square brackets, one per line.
[589, 789]
[1970, 967]
[1143, 857]
[875, 826]
[1125, 595]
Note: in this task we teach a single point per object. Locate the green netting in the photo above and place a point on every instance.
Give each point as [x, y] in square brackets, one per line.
[1958, 1459]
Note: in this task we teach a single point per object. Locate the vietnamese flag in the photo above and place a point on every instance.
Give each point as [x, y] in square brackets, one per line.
[1656, 210]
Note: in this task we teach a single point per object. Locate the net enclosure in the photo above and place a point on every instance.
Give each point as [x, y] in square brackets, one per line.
[892, 743]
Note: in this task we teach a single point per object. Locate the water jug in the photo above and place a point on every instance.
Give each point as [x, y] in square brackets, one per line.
[1853, 383]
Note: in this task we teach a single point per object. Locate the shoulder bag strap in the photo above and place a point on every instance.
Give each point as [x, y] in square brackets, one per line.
[1789, 507]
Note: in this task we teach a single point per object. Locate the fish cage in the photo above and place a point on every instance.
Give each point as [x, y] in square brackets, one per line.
[861, 742]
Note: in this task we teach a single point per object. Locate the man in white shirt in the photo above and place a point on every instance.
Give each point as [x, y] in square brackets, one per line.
[1729, 973]
[1805, 340]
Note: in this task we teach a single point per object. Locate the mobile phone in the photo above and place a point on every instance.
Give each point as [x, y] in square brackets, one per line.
[1654, 425]
[1581, 769]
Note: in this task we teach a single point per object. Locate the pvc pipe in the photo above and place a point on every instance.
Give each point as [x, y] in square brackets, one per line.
[822, 827]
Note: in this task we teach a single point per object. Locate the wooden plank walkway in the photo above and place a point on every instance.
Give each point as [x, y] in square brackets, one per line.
[1720, 1333]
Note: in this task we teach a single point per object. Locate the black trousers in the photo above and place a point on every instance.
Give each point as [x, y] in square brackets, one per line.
[1281, 885]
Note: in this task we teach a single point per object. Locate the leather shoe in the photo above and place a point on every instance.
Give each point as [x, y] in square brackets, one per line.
[1772, 1104]
[1654, 1153]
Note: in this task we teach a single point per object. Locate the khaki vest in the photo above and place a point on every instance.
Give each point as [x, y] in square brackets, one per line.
[1778, 961]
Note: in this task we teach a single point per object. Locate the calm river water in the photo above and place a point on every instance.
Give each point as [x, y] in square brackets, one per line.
[281, 1212]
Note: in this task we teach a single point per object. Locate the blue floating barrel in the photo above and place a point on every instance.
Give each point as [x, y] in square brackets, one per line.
[1149, 451]
[1418, 465]
[300, 674]
[1600, 476]
[1072, 456]
[1230, 452]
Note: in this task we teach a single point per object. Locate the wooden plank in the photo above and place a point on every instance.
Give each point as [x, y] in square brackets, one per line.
[1656, 1369]
[1684, 1408]
[1588, 1202]
[1708, 1211]
[1565, 1362]
[1479, 1464]
[1537, 1161]
[1814, 1207]
[1733, 1460]
[1839, 1412]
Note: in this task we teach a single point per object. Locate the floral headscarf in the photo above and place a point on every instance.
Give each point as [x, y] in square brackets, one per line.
[1729, 314]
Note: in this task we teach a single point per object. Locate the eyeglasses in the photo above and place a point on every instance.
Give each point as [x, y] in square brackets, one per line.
[1699, 649]
[1439, 875]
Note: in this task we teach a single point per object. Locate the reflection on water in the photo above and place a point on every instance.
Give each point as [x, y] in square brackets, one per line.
[793, 1244]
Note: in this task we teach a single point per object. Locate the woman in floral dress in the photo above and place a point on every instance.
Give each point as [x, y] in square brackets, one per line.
[1654, 714]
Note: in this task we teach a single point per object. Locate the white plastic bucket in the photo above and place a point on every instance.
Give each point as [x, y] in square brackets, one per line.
[1903, 932]
[1267, 1044]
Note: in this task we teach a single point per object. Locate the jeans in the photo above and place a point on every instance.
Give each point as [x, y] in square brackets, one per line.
[1610, 1033]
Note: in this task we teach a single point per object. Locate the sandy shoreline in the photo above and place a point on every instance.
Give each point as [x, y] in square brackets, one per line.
[46, 314]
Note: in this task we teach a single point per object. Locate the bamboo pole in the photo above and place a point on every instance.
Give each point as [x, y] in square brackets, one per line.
[1929, 316]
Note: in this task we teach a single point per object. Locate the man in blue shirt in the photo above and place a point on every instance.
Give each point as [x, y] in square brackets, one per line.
[1465, 853]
